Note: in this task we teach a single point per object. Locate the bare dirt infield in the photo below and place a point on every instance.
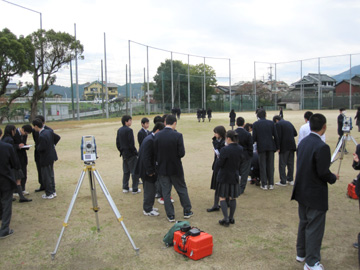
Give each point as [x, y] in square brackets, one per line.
[263, 237]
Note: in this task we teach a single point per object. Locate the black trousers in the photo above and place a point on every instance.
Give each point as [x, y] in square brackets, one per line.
[244, 173]
[286, 159]
[266, 166]
[129, 165]
[310, 234]
[47, 175]
[149, 195]
[6, 205]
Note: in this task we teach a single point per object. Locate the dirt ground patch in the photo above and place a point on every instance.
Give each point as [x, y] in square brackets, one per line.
[263, 237]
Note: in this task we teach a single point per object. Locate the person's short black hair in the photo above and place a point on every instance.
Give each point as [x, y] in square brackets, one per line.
[158, 118]
[41, 118]
[164, 118]
[248, 126]
[158, 126]
[144, 120]
[220, 130]
[317, 121]
[8, 130]
[170, 119]
[342, 109]
[125, 119]
[307, 115]
[276, 117]
[240, 121]
[232, 135]
[37, 122]
[261, 113]
[27, 128]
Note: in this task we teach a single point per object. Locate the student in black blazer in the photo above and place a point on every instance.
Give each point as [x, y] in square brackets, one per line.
[228, 176]
[126, 146]
[146, 169]
[286, 133]
[267, 141]
[245, 140]
[311, 192]
[48, 156]
[143, 132]
[218, 142]
[169, 149]
[8, 162]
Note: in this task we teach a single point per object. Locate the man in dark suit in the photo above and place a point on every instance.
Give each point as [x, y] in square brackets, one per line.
[245, 140]
[267, 141]
[126, 146]
[169, 149]
[8, 161]
[145, 168]
[143, 132]
[286, 133]
[20, 138]
[36, 153]
[311, 192]
[46, 148]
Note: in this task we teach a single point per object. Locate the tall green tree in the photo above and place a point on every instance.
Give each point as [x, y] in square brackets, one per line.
[180, 83]
[53, 50]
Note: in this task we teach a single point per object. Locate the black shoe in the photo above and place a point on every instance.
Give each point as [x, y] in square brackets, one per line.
[8, 234]
[39, 189]
[188, 214]
[231, 221]
[224, 223]
[356, 245]
[171, 219]
[25, 200]
[213, 209]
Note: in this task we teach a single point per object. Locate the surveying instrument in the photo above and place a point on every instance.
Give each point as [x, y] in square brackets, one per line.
[88, 155]
[341, 146]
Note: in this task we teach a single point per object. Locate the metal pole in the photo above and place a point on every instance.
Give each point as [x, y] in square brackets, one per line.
[275, 89]
[230, 83]
[319, 86]
[144, 93]
[204, 85]
[102, 89]
[42, 67]
[72, 92]
[255, 85]
[172, 82]
[127, 97]
[350, 88]
[148, 83]
[188, 83]
[106, 87]
[302, 99]
[162, 90]
[130, 93]
[77, 80]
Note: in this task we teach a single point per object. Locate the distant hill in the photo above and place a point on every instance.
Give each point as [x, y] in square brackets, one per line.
[66, 91]
[346, 74]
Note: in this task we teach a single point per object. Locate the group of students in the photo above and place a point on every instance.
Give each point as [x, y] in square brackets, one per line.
[13, 166]
[201, 114]
[158, 163]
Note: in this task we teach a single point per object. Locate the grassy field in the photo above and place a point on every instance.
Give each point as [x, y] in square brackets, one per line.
[263, 237]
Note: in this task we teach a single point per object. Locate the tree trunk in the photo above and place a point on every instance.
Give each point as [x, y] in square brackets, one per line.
[33, 113]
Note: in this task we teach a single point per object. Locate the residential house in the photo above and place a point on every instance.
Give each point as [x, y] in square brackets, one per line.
[310, 84]
[94, 90]
[342, 88]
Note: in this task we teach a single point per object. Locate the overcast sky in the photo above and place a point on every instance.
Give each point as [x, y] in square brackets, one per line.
[243, 30]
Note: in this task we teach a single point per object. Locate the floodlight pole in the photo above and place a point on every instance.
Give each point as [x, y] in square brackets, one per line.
[148, 86]
[275, 89]
[302, 99]
[350, 87]
[77, 79]
[230, 84]
[188, 83]
[106, 87]
[126, 88]
[130, 93]
[204, 86]
[319, 86]
[172, 82]
[255, 85]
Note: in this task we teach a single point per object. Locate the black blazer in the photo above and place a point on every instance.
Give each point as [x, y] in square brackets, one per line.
[146, 161]
[312, 173]
[46, 147]
[217, 145]
[265, 135]
[21, 152]
[8, 161]
[286, 133]
[141, 135]
[229, 164]
[245, 140]
[356, 166]
[125, 142]
[169, 149]
[36, 138]
[340, 122]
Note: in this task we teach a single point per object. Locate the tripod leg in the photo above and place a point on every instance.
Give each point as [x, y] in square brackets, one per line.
[339, 145]
[343, 147]
[352, 138]
[65, 223]
[93, 197]
[114, 208]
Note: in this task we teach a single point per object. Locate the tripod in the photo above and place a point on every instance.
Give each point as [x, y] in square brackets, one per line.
[93, 173]
[341, 148]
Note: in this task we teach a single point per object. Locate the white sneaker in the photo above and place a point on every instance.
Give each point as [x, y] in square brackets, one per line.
[271, 187]
[161, 200]
[291, 183]
[127, 190]
[54, 194]
[151, 213]
[280, 184]
[25, 192]
[136, 192]
[50, 197]
[264, 187]
[15, 194]
[317, 266]
[300, 259]
[156, 209]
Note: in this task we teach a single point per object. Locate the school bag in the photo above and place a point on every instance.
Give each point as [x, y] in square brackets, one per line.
[169, 237]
